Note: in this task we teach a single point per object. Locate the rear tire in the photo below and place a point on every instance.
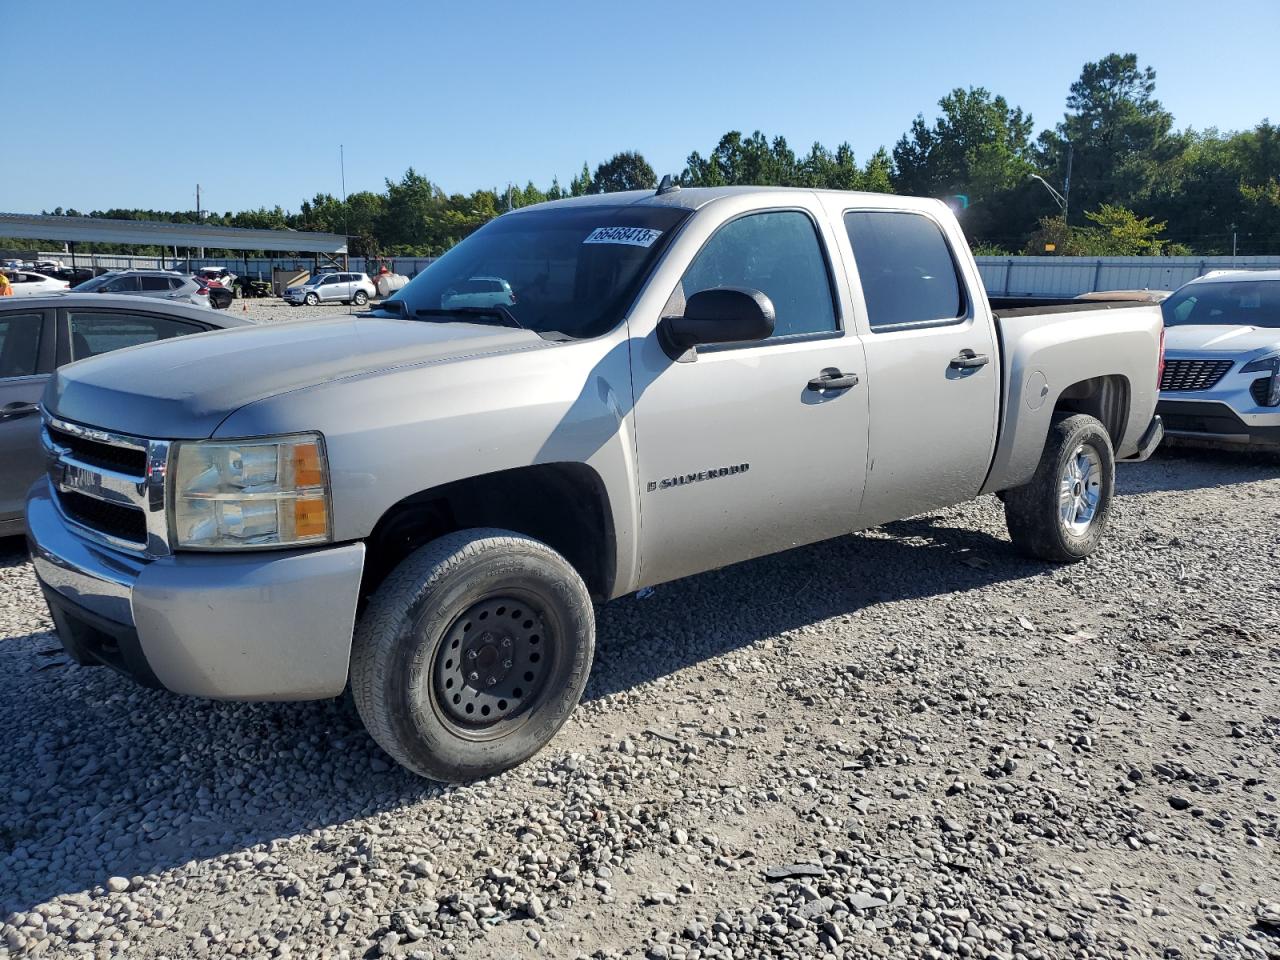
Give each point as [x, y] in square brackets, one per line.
[472, 654]
[1061, 514]
[360, 299]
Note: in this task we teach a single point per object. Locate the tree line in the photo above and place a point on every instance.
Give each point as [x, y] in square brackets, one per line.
[1131, 182]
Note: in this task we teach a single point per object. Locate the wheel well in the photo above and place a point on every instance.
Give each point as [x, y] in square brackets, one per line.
[562, 504]
[1106, 399]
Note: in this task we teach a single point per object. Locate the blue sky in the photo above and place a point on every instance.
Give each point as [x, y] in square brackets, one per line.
[130, 105]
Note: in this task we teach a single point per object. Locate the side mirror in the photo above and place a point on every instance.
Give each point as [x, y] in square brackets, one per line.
[721, 315]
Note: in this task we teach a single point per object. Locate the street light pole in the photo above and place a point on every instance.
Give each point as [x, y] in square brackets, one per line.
[1058, 198]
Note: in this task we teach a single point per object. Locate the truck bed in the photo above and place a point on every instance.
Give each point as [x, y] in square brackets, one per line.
[1023, 306]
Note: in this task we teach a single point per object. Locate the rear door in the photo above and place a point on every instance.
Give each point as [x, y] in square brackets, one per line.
[27, 352]
[933, 370]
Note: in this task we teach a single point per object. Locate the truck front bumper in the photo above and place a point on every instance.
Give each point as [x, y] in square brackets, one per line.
[270, 625]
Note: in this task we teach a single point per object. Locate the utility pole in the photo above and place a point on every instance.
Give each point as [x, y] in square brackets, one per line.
[1066, 183]
[201, 249]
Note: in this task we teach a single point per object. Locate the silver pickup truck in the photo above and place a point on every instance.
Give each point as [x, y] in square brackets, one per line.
[582, 399]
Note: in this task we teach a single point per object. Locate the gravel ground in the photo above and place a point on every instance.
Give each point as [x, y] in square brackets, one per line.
[275, 310]
[906, 743]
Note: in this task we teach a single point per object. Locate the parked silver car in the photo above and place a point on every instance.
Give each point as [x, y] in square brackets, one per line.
[1221, 380]
[40, 334]
[163, 284]
[354, 288]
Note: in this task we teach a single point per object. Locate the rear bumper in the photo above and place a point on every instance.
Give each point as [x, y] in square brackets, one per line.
[251, 626]
[1213, 421]
[1149, 440]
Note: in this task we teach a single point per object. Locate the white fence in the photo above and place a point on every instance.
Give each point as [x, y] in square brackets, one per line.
[1071, 276]
[251, 266]
[1003, 276]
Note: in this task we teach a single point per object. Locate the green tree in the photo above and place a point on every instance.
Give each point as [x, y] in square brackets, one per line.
[624, 171]
[1118, 134]
[580, 185]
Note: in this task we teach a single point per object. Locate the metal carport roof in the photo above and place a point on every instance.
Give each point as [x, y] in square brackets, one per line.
[29, 226]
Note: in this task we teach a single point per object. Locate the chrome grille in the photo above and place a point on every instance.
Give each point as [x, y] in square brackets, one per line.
[1193, 374]
[110, 486]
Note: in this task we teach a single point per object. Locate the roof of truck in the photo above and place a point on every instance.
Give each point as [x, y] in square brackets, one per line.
[693, 198]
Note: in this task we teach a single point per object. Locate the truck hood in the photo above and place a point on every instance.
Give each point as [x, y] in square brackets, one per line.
[1226, 339]
[181, 389]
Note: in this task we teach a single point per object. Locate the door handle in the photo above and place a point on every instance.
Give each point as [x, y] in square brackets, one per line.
[833, 379]
[968, 360]
[17, 409]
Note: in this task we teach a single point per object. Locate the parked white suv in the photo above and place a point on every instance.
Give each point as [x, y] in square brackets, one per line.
[354, 288]
[1221, 380]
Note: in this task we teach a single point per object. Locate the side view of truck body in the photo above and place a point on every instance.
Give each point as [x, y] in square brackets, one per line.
[424, 502]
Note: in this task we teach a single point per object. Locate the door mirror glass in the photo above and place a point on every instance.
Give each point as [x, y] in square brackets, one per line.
[721, 315]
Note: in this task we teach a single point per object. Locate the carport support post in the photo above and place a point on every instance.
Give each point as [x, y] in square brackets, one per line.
[1097, 273]
[71, 246]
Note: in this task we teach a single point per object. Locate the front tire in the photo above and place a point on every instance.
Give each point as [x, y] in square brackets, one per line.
[472, 654]
[1061, 514]
[312, 300]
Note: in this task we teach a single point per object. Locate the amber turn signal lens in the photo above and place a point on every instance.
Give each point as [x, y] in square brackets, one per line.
[306, 465]
[310, 518]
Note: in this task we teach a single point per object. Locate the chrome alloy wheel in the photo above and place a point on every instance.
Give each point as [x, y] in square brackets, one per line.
[1080, 490]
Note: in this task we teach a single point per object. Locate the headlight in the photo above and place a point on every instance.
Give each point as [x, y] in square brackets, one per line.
[1271, 365]
[251, 493]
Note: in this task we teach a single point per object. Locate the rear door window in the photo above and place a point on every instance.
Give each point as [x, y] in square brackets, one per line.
[907, 272]
[155, 283]
[94, 332]
[20, 344]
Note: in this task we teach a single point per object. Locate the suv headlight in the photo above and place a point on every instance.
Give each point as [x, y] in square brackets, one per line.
[251, 493]
[1271, 365]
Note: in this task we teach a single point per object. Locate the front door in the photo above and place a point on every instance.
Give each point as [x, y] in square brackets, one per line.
[742, 451]
[26, 359]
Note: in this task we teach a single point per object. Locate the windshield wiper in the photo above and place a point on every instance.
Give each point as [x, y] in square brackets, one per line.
[497, 310]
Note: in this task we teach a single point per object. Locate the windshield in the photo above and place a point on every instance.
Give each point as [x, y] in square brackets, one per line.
[96, 282]
[566, 272]
[1251, 302]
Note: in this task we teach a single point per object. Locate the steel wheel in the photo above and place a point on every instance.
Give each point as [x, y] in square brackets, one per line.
[1080, 490]
[492, 666]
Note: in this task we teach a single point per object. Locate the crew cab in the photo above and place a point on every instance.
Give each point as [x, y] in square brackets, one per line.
[424, 502]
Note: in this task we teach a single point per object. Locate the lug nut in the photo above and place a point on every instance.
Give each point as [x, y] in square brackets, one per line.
[506, 642]
[471, 654]
[507, 664]
[473, 675]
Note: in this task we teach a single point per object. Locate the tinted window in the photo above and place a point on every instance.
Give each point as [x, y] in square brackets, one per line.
[154, 283]
[20, 344]
[125, 284]
[175, 282]
[906, 269]
[1252, 302]
[778, 254]
[95, 333]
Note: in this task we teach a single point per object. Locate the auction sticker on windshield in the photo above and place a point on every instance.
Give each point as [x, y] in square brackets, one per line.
[632, 236]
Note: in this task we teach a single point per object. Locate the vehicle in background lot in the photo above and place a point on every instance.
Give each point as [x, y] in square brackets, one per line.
[1140, 296]
[27, 283]
[219, 276]
[220, 297]
[1221, 380]
[163, 284]
[428, 499]
[37, 335]
[479, 292]
[327, 287]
